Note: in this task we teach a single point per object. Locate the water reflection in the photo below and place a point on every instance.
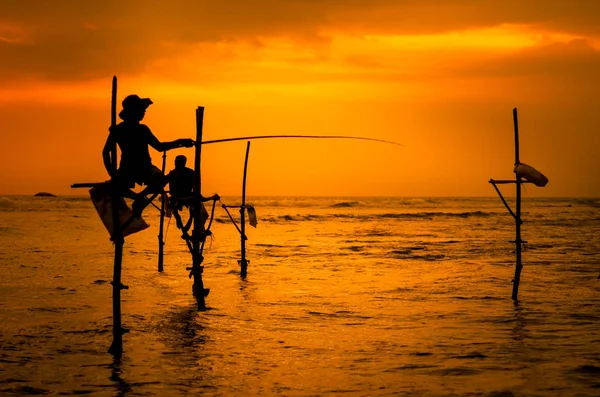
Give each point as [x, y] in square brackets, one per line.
[519, 332]
[122, 386]
[520, 347]
[181, 330]
[247, 290]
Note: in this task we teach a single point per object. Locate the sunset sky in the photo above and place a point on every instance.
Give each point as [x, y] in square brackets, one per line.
[441, 77]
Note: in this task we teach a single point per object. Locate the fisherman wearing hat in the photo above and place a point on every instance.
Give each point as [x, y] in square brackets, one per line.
[136, 165]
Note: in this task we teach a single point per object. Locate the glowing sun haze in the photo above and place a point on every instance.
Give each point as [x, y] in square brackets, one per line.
[440, 77]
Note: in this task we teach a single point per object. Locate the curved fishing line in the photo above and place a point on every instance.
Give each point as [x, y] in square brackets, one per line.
[241, 138]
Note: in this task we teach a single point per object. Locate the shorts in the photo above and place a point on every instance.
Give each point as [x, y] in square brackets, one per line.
[178, 204]
[150, 176]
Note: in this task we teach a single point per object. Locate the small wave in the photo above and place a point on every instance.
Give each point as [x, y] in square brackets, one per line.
[375, 217]
[85, 331]
[7, 204]
[380, 233]
[345, 204]
[471, 355]
[410, 366]
[457, 371]
[539, 246]
[430, 215]
[486, 297]
[13, 380]
[429, 257]
[313, 313]
[6, 230]
[417, 201]
[587, 369]
[355, 248]
[409, 253]
[589, 202]
[406, 251]
[503, 393]
[26, 391]
[584, 316]
[50, 309]
[41, 204]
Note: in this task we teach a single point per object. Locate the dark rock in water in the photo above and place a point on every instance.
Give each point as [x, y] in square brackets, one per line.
[44, 194]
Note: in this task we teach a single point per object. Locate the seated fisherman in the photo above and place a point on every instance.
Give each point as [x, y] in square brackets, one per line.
[181, 189]
[136, 166]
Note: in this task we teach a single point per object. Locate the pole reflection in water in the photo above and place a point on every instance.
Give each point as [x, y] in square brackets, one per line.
[122, 386]
[519, 331]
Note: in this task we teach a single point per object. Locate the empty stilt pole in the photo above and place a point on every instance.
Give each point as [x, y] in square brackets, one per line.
[518, 241]
[523, 174]
[198, 233]
[243, 262]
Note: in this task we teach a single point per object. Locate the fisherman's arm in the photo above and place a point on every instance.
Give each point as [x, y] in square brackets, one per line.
[164, 146]
[214, 197]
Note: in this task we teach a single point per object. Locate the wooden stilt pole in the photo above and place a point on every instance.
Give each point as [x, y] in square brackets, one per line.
[116, 347]
[518, 241]
[523, 174]
[198, 232]
[161, 226]
[243, 262]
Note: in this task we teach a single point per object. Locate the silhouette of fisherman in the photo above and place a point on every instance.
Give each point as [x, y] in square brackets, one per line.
[181, 189]
[136, 165]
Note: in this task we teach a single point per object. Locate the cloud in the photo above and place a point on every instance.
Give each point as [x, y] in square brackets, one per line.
[72, 39]
[558, 67]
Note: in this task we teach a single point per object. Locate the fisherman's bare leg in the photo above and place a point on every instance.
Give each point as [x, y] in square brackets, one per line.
[178, 220]
[155, 185]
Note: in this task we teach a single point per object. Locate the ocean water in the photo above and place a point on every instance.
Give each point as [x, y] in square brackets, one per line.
[359, 296]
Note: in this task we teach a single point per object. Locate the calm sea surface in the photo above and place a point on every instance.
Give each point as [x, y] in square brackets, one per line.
[344, 297]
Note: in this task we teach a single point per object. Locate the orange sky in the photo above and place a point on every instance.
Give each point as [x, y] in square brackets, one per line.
[440, 77]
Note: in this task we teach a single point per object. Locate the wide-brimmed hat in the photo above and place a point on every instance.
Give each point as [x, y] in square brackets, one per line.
[133, 103]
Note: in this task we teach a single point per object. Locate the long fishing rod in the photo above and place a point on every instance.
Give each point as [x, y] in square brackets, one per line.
[299, 136]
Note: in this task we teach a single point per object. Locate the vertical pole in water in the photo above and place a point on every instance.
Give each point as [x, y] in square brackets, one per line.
[243, 261]
[116, 347]
[161, 243]
[519, 265]
[198, 233]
